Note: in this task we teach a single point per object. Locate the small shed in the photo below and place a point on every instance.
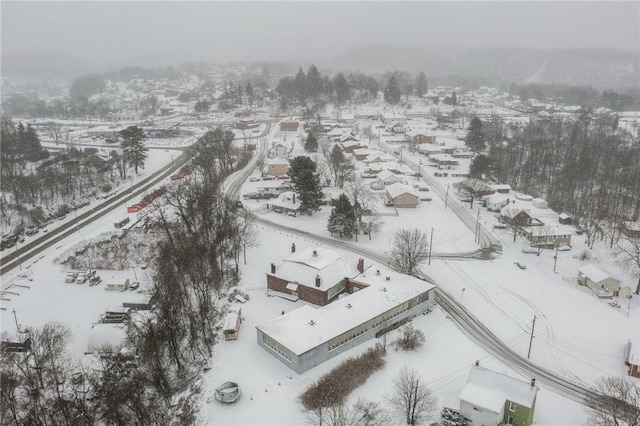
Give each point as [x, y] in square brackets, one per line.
[117, 285]
[565, 219]
[232, 322]
[387, 177]
[632, 357]
[502, 188]
[540, 203]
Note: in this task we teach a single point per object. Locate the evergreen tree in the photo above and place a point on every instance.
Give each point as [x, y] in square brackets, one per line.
[342, 89]
[392, 91]
[133, 146]
[342, 220]
[314, 83]
[422, 85]
[248, 90]
[311, 145]
[475, 137]
[480, 165]
[300, 84]
[306, 182]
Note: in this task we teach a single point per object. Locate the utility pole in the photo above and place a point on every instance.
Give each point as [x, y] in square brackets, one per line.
[15, 317]
[531, 339]
[555, 260]
[477, 239]
[446, 197]
[430, 245]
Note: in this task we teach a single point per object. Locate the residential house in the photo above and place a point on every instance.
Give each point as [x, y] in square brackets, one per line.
[246, 123]
[362, 153]
[548, 236]
[276, 187]
[400, 195]
[315, 275]
[377, 302]
[490, 399]
[387, 177]
[350, 146]
[277, 167]
[287, 203]
[278, 150]
[429, 149]
[396, 127]
[515, 215]
[496, 202]
[502, 188]
[604, 285]
[444, 161]
[289, 125]
[632, 357]
[393, 117]
[417, 137]
[348, 137]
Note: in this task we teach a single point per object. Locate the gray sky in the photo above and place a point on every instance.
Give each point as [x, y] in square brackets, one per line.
[163, 33]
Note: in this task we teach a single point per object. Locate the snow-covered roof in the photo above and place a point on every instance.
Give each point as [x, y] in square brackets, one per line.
[564, 216]
[632, 226]
[392, 115]
[501, 186]
[277, 161]
[286, 201]
[548, 231]
[294, 330]
[414, 133]
[231, 319]
[388, 175]
[348, 144]
[497, 198]
[634, 351]
[363, 151]
[305, 265]
[594, 273]
[397, 189]
[490, 390]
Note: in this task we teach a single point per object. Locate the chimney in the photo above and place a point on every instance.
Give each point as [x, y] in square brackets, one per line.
[388, 278]
[317, 280]
[533, 383]
[377, 271]
[315, 253]
[361, 265]
[477, 363]
[293, 247]
[273, 268]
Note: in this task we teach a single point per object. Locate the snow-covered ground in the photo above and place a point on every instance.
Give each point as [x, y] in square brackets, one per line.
[576, 334]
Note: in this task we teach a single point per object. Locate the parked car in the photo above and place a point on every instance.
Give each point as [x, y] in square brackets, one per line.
[423, 189]
[529, 250]
[564, 248]
[254, 179]
[614, 303]
[499, 226]
[134, 285]
[521, 265]
[269, 177]
[425, 198]
[376, 185]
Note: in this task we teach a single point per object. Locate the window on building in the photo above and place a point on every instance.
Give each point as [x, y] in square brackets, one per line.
[510, 420]
[512, 406]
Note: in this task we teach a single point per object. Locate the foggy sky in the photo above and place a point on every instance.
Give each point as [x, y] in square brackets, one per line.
[163, 33]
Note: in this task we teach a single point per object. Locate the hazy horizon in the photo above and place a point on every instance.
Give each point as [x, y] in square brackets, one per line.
[165, 33]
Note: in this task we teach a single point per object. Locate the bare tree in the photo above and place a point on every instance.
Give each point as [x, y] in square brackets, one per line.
[473, 188]
[627, 251]
[371, 223]
[55, 132]
[618, 403]
[410, 249]
[412, 398]
[339, 165]
[360, 197]
[410, 339]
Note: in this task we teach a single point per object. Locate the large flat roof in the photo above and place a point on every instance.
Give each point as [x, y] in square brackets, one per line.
[296, 331]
